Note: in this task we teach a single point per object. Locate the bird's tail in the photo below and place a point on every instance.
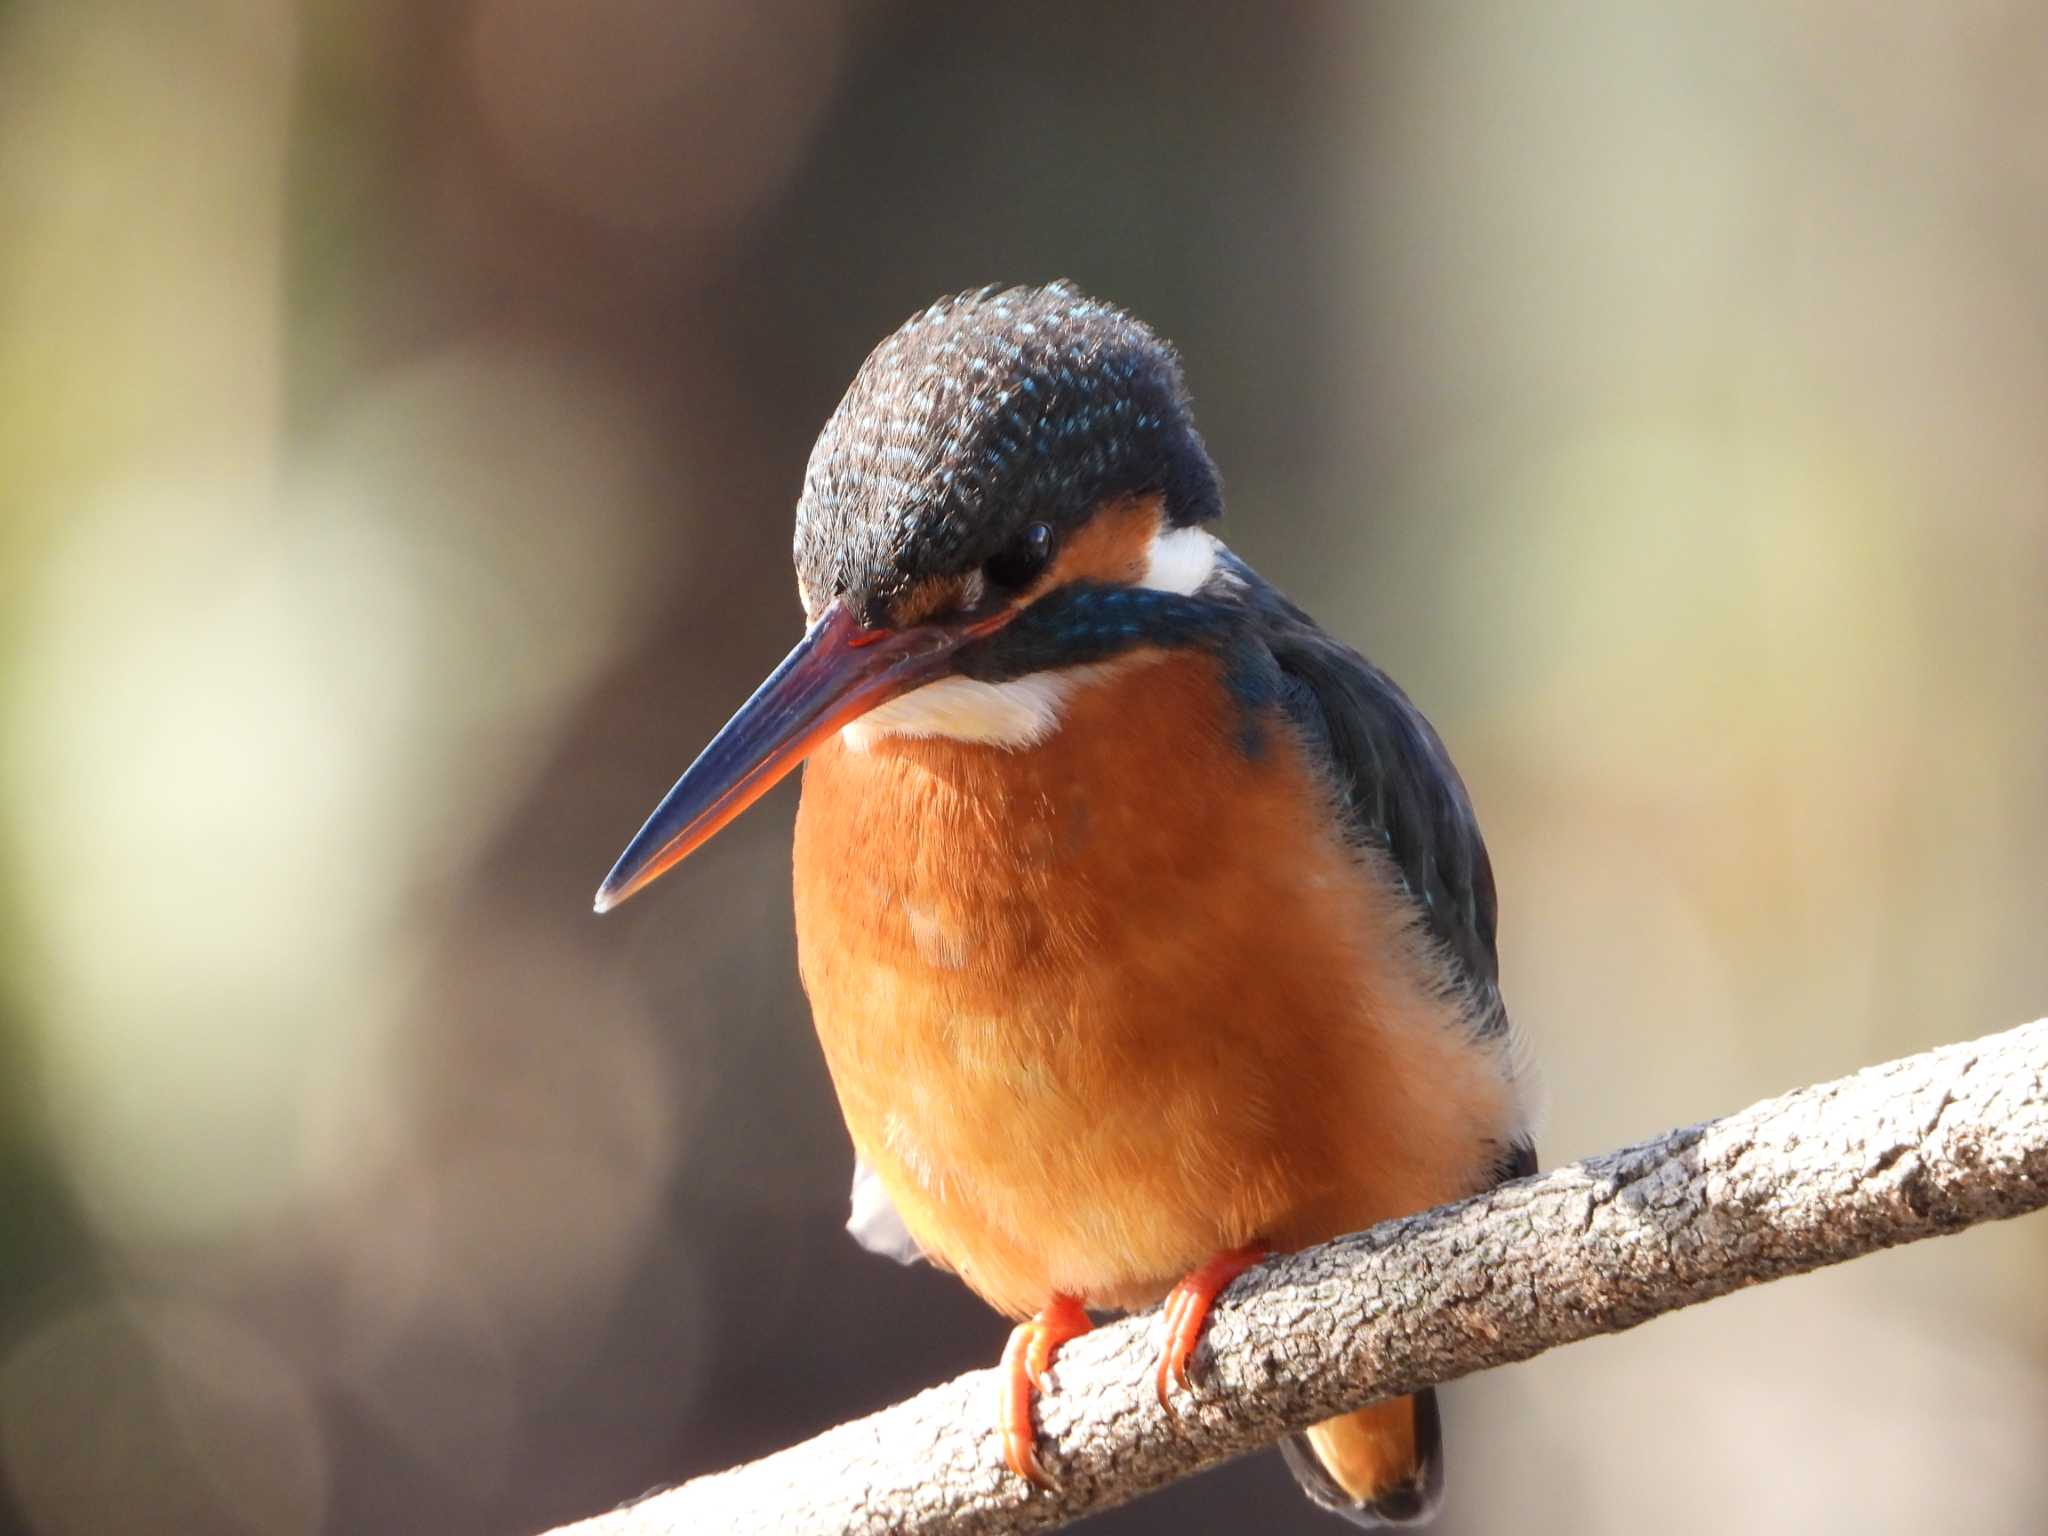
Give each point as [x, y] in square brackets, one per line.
[1380, 1466]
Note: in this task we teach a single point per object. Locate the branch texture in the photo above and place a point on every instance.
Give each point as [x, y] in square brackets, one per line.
[1915, 1148]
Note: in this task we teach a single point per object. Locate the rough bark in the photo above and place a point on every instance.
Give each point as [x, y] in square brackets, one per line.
[1915, 1148]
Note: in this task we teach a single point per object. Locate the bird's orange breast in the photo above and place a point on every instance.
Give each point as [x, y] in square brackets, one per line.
[1101, 1007]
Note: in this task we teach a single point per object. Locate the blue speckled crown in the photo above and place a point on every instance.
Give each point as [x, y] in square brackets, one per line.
[982, 414]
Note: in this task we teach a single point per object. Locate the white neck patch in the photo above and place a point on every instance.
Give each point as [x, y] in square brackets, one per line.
[1180, 560]
[1026, 710]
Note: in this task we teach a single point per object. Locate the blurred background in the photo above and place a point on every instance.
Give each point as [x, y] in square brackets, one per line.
[402, 407]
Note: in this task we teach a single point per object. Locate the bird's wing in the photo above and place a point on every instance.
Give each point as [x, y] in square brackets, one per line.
[1397, 790]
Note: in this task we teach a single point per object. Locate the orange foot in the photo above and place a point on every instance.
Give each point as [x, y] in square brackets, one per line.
[1025, 1358]
[1187, 1308]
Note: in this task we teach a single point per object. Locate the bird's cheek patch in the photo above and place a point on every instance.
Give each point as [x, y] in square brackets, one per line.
[1113, 547]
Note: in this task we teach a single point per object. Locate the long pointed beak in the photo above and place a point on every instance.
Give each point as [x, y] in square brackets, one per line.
[837, 673]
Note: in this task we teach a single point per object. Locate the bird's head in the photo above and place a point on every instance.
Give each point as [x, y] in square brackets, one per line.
[1000, 456]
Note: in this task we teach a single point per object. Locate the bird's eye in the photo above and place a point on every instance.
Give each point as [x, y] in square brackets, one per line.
[1023, 560]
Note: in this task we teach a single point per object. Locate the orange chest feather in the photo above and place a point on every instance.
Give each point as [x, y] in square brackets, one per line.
[1098, 1007]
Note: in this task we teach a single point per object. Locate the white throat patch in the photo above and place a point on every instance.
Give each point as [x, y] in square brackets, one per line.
[1025, 711]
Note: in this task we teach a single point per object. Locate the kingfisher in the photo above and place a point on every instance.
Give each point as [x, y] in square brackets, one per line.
[1147, 928]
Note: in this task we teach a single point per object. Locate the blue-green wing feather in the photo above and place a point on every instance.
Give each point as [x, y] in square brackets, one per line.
[1397, 790]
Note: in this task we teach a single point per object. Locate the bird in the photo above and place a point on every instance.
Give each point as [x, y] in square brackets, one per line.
[1146, 927]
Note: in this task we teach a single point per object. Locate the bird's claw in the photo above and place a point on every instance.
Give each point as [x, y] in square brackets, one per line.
[1026, 1358]
[1187, 1309]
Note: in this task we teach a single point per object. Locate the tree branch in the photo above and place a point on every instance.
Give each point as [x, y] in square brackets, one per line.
[1918, 1147]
